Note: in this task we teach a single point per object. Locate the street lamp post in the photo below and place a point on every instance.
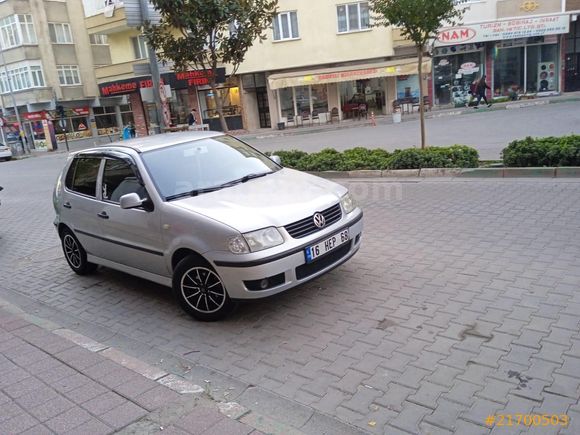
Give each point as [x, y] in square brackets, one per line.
[9, 80]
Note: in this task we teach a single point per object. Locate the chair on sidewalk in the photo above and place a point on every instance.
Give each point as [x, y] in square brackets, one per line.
[334, 114]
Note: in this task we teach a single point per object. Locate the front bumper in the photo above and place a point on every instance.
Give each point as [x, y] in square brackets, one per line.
[292, 264]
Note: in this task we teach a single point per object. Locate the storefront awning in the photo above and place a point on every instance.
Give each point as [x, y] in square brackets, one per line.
[347, 73]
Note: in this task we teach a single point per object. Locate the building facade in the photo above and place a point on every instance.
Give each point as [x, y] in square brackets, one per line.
[525, 49]
[323, 60]
[44, 65]
[125, 82]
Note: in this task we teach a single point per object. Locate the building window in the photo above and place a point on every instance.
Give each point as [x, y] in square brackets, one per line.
[17, 30]
[98, 39]
[68, 75]
[60, 33]
[353, 17]
[140, 47]
[21, 77]
[285, 26]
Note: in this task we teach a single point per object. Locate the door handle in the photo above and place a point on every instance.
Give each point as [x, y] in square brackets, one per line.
[67, 205]
[103, 215]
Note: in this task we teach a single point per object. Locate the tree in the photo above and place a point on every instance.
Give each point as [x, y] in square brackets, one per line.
[419, 21]
[206, 34]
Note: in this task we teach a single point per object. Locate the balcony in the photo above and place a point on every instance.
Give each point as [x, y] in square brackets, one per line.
[107, 20]
[401, 45]
[117, 71]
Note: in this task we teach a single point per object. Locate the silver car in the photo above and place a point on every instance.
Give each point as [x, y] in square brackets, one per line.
[203, 213]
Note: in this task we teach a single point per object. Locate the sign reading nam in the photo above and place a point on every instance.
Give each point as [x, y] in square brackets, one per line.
[500, 30]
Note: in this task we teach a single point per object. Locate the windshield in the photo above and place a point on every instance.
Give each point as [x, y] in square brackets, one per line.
[204, 165]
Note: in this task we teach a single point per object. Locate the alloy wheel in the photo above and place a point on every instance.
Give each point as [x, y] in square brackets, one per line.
[72, 251]
[203, 290]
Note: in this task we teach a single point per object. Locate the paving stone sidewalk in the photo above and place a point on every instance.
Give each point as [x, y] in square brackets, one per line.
[49, 384]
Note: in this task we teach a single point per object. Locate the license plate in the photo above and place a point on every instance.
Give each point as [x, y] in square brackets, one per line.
[324, 247]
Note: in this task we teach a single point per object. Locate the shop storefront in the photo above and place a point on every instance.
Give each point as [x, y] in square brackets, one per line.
[454, 69]
[529, 65]
[231, 106]
[519, 56]
[38, 124]
[318, 95]
[178, 96]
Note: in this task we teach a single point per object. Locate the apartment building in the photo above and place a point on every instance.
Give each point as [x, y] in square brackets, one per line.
[125, 83]
[321, 61]
[44, 63]
[525, 48]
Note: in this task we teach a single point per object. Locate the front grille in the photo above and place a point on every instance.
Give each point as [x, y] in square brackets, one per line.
[323, 262]
[305, 227]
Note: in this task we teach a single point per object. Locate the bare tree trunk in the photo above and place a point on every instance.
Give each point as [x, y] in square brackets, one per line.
[421, 103]
[219, 104]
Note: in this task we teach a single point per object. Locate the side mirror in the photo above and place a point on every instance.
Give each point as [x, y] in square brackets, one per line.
[276, 159]
[131, 200]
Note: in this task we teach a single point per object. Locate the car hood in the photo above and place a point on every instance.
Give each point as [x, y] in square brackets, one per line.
[276, 200]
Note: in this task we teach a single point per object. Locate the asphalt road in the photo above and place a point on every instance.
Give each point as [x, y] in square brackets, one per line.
[462, 303]
[487, 130]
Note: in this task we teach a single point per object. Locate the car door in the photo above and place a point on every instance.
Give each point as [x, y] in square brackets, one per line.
[133, 236]
[79, 202]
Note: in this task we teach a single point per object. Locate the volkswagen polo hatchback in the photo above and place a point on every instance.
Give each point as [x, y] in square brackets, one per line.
[205, 214]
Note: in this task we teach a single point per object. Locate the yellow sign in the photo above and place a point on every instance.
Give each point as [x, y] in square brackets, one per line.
[529, 6]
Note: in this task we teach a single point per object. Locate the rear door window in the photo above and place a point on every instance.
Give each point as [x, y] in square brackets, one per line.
[86, 171]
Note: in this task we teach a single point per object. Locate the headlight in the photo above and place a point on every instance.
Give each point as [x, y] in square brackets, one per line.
[348, 203]
[263, 239]
[255, 241]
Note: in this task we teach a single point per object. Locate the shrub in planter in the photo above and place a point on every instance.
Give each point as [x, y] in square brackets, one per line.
[364, 158]
[546, 151]
[456, 156]
[292, 158]
[328, 159]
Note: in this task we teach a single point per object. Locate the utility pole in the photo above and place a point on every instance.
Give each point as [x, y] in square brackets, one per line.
[9, 80]
[154, 67]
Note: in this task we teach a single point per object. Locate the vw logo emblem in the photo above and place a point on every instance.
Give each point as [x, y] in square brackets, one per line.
[319, 220]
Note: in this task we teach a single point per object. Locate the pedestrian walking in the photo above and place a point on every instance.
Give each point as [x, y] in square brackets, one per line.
[481, 88]
[192, 119]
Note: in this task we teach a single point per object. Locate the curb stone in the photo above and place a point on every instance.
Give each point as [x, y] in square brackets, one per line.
[547, 172]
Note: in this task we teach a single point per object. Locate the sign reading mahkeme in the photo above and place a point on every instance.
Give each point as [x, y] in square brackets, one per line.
[507, 29]
[178, 80]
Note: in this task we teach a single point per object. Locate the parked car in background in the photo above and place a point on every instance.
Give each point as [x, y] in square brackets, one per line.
[204, 213]
[5, 152]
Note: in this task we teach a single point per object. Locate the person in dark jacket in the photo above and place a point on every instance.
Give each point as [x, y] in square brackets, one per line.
[192, 119]
[481, 88]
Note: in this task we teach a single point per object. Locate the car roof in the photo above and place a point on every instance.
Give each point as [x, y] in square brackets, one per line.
[148, 143]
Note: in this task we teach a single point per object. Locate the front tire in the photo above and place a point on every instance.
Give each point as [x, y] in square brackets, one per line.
[75, 254]
[200, 290]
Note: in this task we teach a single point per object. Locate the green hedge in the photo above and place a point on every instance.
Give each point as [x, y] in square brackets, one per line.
[456, 156]
[544, 151]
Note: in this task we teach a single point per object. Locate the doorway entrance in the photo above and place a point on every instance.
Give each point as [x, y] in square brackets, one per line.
[572, 66]
[263, 108]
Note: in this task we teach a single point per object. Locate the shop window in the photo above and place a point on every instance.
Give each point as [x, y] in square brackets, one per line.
[179, 106]
[319, 96]
[106, 120]
[302, 94]
[353, 17]
[60, 33]
[542, 71]
[286, 102]
[285, 26]
[140, 47]
[453, 74]
[230, 98]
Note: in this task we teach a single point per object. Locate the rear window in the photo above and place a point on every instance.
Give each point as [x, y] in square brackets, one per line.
[82, 175]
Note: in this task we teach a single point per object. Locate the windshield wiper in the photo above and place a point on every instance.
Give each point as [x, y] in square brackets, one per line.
[196, 192]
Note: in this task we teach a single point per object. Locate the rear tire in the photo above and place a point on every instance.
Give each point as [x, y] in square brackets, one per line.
[200, 290]
[75, 254]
